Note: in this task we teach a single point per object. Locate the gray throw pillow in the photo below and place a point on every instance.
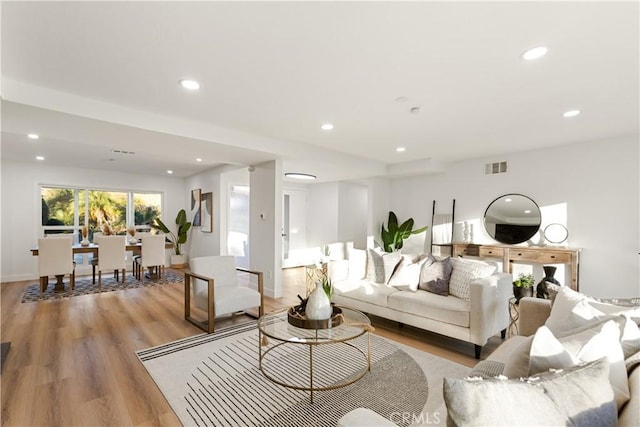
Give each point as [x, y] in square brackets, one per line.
[579, 396]
[438, 286]
[434, 270]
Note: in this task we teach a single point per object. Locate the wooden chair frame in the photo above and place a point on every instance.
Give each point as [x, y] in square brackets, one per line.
[208, 325]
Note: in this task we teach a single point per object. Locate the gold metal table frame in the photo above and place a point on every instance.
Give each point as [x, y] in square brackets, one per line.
[276, 326]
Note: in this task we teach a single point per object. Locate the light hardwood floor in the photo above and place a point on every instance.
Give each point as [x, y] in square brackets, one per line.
[72, 361]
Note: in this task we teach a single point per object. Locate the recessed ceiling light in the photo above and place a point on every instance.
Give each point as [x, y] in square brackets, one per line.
[39, 158]
[414, 110]
[326, 126]
[507, 200]
[535, 53]
[571, 113]
[527, 211]
[169, 172]
[33, 136]
[198, 160]
[298, 175]
[190, 84]
[400, 149]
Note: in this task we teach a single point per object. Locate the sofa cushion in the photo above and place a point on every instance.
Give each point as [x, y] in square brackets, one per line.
[407, 274]
[450, 310]
[357, 263]
[465, 272]
[364, 290]
[434, 269]
[547, 352]
[380, 266]
[578, 396]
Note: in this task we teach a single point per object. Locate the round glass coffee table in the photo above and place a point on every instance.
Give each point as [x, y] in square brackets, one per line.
[314, 359]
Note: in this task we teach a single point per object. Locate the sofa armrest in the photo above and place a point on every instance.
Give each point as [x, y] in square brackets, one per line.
[533, 313]
[489, 306]
[338, 270]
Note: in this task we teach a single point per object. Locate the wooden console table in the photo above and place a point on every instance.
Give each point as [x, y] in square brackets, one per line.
[526, 254]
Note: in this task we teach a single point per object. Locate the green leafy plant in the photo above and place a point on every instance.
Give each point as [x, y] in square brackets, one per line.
[177, 239]
[524, 281]
[394, 235]
[327, 286]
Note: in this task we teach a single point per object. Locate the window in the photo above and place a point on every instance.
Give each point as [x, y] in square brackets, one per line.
[67, 209]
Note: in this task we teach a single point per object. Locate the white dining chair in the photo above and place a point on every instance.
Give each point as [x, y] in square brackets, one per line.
[55, 258]
[136, 256]
[111, 256]
[94, 258]
[216, 290]
[152, 255]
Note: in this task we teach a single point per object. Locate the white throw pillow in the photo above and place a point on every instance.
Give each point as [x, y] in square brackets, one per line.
[357, 263]
[464, 273]
[382, 265]
[572, 310]
[407, 274]
[549, 352]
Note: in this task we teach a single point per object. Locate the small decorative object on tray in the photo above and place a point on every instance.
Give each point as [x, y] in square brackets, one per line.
[296, 317]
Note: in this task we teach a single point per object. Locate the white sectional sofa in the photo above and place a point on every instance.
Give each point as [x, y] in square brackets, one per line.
[477, 310]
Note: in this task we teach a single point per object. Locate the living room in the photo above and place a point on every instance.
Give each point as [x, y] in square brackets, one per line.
[446, 109]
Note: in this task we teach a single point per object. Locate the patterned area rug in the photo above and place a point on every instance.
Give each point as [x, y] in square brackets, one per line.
[85, 286]
[214, 380]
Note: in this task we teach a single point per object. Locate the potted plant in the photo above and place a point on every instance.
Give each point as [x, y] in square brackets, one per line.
[179, 259]
[523, 286]
[394, 236]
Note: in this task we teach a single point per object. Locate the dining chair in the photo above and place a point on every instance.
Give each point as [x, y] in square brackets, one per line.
[216, 290]
[136, 256]
[94, 258]
[111, 256]
[55, 258]
[152, 255]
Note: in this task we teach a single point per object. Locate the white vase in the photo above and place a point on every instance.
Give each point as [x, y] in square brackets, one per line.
[318, 305]
[85, 242]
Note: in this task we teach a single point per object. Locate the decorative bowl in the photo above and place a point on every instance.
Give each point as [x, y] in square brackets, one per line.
[300, 321]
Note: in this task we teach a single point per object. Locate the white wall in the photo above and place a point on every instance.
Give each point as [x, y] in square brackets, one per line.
[598, 182]
[265, 239]
[352, 208]
[21, 205]
[323, 213]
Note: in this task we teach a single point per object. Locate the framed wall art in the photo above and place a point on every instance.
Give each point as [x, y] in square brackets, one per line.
[195, 207]
[206, 213]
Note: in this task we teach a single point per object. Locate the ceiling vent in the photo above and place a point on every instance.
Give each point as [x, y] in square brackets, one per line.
[123, 152]
[496, 167]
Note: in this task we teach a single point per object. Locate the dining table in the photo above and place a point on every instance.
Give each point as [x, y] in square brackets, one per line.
[93, 249]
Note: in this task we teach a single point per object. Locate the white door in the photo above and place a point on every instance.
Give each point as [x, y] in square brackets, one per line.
[294, 226]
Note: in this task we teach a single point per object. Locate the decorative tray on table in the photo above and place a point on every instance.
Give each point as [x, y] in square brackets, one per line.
[299, 319]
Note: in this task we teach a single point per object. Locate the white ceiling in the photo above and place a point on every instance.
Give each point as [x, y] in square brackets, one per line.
[92, 77]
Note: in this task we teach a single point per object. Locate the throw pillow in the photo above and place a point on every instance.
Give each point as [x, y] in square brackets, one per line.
[383, 265]
[438, 286]
[434, 269]
[547, 352]
[573, 309]
[407, 274]
[577, 396]
[466, 272]
[357, 263]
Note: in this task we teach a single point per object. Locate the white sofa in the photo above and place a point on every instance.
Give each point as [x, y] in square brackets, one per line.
[483, 315]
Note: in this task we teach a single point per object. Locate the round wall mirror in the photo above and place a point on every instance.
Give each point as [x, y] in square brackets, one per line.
[556, 233]
[512, 218]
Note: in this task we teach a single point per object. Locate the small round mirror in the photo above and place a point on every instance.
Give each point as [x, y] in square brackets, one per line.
[512, 218]
[556, 233]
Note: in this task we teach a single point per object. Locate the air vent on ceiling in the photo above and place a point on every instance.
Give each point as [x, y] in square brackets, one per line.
[123, 152]
[496, 167]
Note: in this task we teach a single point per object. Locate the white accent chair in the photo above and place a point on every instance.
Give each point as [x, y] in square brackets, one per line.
[55, 258]
[151, 255]
[216, 290]
[111, 256]
[94, 258]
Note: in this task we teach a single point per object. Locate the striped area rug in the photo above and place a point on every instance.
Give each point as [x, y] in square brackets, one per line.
[214, 380]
